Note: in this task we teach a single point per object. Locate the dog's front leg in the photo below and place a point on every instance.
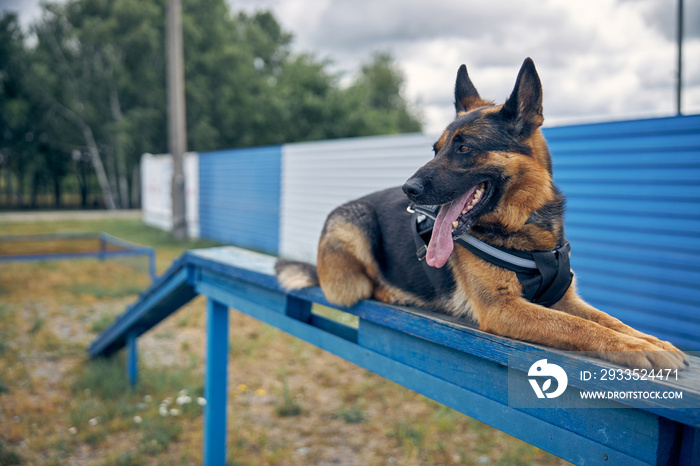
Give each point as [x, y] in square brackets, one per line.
[517, 318]
[571, 303]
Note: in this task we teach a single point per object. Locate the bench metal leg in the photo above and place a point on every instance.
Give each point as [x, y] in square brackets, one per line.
[132, 358]
[216, 384]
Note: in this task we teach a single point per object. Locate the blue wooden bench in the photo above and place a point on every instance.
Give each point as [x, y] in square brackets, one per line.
[479, 374]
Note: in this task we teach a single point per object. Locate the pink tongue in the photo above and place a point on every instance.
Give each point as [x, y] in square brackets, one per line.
[441, 244]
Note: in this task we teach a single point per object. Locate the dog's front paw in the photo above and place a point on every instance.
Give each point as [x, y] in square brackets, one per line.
[642, 354]
[666, 346]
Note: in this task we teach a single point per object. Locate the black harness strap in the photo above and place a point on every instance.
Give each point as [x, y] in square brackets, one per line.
[544, 275]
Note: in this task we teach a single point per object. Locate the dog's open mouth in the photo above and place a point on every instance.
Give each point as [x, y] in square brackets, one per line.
[455, 218]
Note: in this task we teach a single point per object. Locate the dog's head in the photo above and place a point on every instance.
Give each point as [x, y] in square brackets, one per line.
[491, 164]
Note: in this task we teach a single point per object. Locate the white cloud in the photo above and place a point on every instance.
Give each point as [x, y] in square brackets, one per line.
[608, 59]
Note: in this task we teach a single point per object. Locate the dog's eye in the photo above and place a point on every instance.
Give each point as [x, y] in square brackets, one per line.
[465, 149]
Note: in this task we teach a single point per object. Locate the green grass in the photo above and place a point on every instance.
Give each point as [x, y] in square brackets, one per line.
[104, 378]
[408, 433]
[37, 324]
[288, 407]
[159, 433]
[8, 456]
[351, 415]
[101, 323]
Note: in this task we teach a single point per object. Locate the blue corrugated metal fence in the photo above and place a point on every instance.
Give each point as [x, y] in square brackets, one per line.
[633, 219]
[239, 197]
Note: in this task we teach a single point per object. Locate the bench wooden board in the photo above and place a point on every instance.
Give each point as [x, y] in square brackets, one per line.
[439, 357]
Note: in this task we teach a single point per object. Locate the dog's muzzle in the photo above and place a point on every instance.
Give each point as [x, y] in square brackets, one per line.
[413, 188]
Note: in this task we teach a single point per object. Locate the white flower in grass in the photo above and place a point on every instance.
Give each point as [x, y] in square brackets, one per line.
[201, 401]
[94, 421]
[162, 410]
[183, 400]
[72, 431]
[174, 412]
[138, 420]
[167, 401]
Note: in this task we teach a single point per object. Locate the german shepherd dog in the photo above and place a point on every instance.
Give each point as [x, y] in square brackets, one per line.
[491, 176]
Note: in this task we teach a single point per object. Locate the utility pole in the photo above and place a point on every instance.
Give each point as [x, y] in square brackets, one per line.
[679, 81]
[177, 129]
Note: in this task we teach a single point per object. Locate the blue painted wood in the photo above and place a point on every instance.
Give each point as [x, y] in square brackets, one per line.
[541, 433]
[108, 246]
[239, 197]
[336, 328]
[635, 442]
[170, 292]
[439, 357]
[690, 447]
[214, 269]
[132, 357]
[216, 384]
[298, 309]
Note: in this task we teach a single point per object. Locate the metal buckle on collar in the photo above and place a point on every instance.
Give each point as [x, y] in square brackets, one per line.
[421, 253]
[429, 211]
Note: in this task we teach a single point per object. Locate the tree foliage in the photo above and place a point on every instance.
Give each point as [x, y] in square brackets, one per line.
[90, 87]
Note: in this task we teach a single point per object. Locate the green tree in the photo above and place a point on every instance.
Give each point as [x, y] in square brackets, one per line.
[94, 83]
[19, 114]
[376, 101]
[99, 65]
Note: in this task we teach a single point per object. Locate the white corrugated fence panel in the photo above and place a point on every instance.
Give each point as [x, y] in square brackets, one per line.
[319, 176]
[156, 201]
[191, 168]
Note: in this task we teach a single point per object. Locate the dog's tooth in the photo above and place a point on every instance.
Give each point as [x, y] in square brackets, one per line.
[465, 210]
[455, 224]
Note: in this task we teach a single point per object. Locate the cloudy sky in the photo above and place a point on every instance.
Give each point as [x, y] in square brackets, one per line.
[599, 60]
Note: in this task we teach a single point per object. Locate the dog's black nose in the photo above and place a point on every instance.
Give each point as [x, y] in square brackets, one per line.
[413, 188]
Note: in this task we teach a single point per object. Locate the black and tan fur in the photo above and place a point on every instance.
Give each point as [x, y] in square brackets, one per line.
[366, 249]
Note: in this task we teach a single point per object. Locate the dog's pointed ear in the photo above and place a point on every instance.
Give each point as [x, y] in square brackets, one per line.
[524, 106]
[466, 95]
